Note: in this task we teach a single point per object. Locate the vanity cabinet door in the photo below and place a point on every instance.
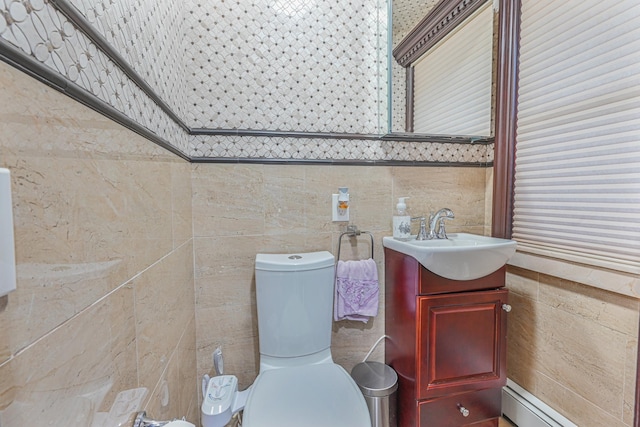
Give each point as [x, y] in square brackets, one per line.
[461, 342]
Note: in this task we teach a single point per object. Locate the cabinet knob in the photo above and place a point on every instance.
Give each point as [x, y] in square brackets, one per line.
[464, 411]
[506, 307]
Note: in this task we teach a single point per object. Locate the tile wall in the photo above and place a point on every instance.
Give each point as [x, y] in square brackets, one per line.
[574, 347]
[104, 248]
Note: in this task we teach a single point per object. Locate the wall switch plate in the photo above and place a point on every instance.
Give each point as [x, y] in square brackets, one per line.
[338, 215]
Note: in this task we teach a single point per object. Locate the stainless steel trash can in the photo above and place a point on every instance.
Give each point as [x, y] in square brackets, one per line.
[378, 383]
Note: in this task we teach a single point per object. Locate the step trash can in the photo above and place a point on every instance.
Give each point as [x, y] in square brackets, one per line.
[378, 383]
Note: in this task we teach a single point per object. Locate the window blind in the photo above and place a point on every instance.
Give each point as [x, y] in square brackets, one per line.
[452, 81]
[577, 176]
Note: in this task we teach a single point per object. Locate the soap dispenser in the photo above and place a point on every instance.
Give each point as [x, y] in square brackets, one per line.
[401, 221]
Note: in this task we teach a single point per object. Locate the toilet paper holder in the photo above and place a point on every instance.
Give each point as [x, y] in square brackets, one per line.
[142, 420]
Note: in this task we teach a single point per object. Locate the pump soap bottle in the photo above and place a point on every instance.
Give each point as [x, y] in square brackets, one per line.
[401, 221]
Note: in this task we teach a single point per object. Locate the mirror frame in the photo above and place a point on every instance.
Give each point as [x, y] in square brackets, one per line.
[436, 25]
[439, 22]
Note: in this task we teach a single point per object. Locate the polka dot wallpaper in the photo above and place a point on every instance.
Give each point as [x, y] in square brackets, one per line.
[297, 65]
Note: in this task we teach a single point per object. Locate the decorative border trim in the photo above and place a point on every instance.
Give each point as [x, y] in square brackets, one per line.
[434, 27]
[400, 163]
[450, 139]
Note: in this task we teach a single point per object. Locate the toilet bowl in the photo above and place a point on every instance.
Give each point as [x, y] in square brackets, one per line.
[299, 385]
[322, 395]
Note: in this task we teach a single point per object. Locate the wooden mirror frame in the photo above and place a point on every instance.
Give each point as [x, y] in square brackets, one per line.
[434, 27]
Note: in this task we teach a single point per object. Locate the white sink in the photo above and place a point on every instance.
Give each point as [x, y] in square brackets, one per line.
[460, 257]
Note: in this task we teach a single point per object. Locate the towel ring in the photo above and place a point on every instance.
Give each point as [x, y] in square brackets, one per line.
[352, 231]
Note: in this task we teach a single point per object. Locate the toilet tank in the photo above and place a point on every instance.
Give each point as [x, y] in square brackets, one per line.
[294, 294]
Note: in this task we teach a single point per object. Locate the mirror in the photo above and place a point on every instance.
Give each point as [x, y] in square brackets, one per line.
[419, 29]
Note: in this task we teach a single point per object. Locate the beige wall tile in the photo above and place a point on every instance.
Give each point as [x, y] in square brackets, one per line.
[82, 228]
[74, 371]
[580, 411]
[611, 310]
[630, 379]
[488, 201]
[284, 199]
[523, 282]
[182, 224]
[228, 200]
[432, 188]
[224, 269]
[177, 389]
[164, 301]
[573, 346]
[188, 385]
[94, 206]
[584, 356]
[522, 341]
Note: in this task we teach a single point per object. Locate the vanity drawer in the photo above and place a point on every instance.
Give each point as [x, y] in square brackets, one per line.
[448, 411]
[431, 284]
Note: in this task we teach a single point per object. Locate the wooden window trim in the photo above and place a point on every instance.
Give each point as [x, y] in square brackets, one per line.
[505, 124]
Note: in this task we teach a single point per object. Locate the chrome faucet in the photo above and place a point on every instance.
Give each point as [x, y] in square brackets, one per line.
[436, 223]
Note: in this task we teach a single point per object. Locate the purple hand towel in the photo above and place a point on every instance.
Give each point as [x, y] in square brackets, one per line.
[357, 290]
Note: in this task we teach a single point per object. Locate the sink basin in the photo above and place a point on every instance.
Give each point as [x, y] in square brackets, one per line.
[460, 257]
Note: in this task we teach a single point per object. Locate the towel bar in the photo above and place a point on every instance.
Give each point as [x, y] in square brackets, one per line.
[352, 231]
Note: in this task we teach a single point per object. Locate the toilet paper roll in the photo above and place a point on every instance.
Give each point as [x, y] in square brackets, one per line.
[179, 423]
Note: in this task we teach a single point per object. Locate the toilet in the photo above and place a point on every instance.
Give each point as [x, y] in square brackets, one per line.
[299, 385]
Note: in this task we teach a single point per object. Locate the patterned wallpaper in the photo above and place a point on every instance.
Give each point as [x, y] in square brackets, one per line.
[140, 32]
[283, 65]
[294, 65]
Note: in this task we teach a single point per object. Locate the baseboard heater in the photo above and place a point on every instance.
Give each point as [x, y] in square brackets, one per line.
[526, 410]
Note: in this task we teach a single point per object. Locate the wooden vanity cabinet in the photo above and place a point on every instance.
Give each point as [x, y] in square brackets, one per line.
[447, 342]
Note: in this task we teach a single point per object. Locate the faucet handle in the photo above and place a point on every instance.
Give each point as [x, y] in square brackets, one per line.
[423, 234]
[440, 232]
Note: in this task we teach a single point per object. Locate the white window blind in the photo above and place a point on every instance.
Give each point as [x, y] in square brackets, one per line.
[452, 81]
[577, 180]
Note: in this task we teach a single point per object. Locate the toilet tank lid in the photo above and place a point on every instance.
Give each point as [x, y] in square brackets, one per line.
[294, 262]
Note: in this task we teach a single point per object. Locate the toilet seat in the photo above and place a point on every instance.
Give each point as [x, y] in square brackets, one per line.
[322, 395]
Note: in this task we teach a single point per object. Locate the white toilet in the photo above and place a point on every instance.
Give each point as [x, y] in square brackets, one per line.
[298, 384]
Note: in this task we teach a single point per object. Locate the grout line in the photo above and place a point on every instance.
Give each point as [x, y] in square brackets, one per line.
[94, 304]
